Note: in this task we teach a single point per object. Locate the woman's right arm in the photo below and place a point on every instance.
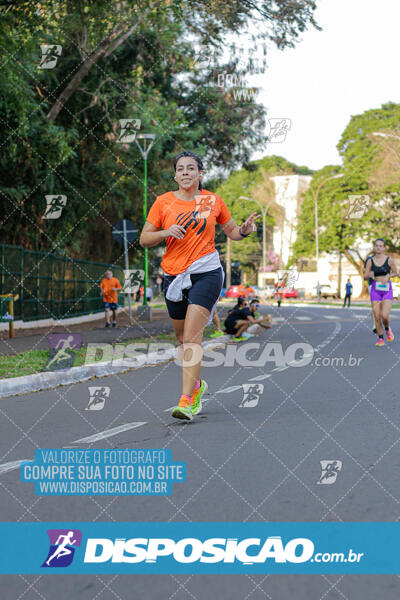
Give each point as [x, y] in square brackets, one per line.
[151, 236]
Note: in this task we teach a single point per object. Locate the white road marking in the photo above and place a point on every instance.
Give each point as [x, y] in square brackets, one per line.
[102, 435]
[303, 318]
[233, 388]
[10, 466]
[331, 317]
[278, 319]
[260, 377]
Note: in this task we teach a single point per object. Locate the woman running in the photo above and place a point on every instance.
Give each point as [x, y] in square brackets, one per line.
[370, 281]
[186, 220]
[381, 267]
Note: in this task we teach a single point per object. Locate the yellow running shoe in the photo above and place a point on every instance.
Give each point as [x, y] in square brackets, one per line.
[380, 342]
[183, 410]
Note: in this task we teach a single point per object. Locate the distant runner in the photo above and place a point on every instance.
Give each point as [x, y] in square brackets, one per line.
[370, 281]
[381, 267]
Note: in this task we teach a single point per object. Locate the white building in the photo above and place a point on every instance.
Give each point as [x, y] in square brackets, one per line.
[288, 198]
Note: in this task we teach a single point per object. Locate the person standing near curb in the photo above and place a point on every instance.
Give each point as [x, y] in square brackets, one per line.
[349, 291]
[186, 220]
[109, 287]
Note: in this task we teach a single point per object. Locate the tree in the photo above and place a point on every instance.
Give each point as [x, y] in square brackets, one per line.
[370, 168]
[255, 182]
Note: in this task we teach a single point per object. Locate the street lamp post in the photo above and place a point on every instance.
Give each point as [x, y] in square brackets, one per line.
[315, 195]
[148, 141]
[264, 211]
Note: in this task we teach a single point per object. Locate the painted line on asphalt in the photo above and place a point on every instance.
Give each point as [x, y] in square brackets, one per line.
[260, 377]
[102, 435]
[303, 318]
[331, 317]
[10, 466]
[233, 388]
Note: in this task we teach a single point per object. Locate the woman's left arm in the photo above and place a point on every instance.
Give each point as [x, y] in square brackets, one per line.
[236, 233]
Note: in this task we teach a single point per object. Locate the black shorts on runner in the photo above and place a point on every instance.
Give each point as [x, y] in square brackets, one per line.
[205, 291]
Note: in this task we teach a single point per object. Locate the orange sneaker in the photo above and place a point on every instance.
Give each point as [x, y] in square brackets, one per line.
[389, 335]
[380, 342]
[184, 409]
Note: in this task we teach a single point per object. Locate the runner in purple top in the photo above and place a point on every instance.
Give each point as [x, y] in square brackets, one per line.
[381, 267]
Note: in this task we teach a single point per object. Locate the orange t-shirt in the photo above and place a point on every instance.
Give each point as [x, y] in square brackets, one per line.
[109, 294]
[198, 216]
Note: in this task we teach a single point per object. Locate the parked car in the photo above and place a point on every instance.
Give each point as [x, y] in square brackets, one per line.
[250, 291]
[289, 293]
[327, 292]
[234, 291]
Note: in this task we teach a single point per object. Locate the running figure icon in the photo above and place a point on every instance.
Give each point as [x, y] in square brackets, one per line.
[62, 549]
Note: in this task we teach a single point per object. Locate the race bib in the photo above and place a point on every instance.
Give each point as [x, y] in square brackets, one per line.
[382, 287]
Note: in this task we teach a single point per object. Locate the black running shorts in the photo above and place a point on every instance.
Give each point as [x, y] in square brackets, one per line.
[205, 291]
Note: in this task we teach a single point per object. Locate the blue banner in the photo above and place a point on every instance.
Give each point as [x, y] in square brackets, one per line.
[150, 548]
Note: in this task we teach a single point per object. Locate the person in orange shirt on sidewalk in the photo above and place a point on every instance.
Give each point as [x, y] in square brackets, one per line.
[185, 219]
[109, 288]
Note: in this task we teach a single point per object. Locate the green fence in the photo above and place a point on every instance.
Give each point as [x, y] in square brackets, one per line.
[51, 286]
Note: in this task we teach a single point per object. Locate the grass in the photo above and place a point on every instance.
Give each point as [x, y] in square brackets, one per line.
[34, 361]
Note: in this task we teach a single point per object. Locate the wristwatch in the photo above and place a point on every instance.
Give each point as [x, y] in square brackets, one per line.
[243, 234]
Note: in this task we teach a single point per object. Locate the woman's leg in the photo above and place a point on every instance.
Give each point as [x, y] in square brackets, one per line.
[385, 312]
[178, 325]
[241, 325]
[192, 352]
[376, 309]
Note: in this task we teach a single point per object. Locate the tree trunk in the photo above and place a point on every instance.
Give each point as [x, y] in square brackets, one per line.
[339, 278]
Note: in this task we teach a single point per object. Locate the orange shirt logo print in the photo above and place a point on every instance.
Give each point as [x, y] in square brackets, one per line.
[203, 209]
[204, 204]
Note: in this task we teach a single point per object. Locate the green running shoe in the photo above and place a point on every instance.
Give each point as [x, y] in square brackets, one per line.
[216, 334]
[196, 397]
[183, 410]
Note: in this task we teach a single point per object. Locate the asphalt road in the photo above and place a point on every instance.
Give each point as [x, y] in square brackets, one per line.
[249, 458]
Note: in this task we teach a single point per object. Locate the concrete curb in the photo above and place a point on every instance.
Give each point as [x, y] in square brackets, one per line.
[50, 379]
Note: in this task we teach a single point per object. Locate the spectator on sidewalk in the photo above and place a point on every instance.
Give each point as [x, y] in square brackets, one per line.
[109, 287]
[349, 291]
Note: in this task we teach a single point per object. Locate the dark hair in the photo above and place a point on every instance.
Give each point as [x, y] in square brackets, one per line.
[380, 240]
[191, 155]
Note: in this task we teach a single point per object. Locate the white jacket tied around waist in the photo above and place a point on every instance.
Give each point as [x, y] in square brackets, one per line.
[209, 262]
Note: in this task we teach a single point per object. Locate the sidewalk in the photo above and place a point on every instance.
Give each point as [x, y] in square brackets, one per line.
[94, 331]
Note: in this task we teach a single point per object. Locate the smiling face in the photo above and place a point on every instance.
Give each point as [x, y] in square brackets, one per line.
[187, 173]
[379, 247]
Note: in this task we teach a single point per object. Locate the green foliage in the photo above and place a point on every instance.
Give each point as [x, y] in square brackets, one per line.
[253, 182]
[61, 137]
[370, 167]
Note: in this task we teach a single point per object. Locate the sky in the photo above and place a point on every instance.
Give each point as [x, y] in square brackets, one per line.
[349, 67]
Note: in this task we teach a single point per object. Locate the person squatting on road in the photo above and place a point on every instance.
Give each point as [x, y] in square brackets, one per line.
[185, 219]
[381, 267]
